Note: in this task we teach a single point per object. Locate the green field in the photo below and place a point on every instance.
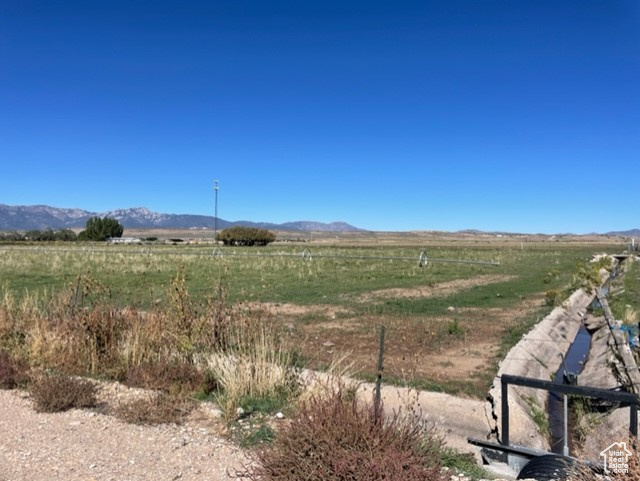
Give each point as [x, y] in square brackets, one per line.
[139, 275]
[447, 323]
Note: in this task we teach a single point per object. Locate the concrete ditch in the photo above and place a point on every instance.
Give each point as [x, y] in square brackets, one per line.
[537, 355]
[610, 365]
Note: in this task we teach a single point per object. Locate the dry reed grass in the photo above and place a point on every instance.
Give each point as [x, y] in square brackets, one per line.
[253, 365]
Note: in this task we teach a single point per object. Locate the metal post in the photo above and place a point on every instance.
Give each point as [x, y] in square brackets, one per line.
[215, 219]
[504, 400]
[633, 419]
[376, 404]
[565, 446]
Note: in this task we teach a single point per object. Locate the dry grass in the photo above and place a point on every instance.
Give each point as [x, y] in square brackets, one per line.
[157, 408]
[254, 365]
[583, 473]
[171, 378]
[178, 348]
[79, 331]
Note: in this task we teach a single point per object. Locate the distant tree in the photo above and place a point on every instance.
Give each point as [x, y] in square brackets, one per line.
[11, 236]
[100, 229]
[66, 235]
[246, 236]
[33, 235]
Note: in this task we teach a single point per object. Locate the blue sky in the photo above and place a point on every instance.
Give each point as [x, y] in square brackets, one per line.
[510, 115]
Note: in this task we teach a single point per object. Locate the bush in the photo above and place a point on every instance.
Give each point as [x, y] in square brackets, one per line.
[245, 236]
[159, 408]
[59, 392]
[333, 437]
[13, 372]
[169, 377]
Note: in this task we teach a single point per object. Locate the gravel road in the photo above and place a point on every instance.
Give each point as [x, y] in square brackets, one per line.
[86, 445]
[89, 446]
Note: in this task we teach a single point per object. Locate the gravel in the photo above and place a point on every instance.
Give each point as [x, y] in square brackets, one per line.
[89, 446]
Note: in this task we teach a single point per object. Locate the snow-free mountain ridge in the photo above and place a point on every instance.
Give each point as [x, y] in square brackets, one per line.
[27, 217]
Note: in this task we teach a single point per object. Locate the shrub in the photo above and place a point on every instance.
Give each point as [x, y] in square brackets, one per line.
[13, 371]
[158, 408]
[333, 437]
[245, 236]
[59, 392]
[554, 297]
[169, 377]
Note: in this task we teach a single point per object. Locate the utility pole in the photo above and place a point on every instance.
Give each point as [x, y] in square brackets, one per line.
[215, 219]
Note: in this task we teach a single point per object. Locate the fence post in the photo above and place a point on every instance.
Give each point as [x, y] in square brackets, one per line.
[504, 400]
[377, 399]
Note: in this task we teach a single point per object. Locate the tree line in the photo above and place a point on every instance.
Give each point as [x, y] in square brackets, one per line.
[96, 229]
[100, 229]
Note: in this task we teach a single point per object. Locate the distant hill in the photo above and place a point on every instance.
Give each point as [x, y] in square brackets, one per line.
[626, 233]
[27, 217]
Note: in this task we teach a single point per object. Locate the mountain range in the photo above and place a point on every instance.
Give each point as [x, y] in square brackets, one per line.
[27, 217]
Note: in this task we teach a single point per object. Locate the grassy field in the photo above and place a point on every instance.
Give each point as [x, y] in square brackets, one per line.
[447, 323]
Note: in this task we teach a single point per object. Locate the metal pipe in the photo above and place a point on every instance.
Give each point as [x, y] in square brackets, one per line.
[565, 445]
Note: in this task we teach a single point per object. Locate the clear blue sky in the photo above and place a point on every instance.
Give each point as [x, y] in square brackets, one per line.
[515, 115]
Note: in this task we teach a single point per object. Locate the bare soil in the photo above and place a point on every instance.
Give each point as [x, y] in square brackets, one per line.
[456, 348]
[439, 290]
[413, 349]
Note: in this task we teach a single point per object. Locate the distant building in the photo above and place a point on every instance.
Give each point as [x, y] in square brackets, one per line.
[124, 240]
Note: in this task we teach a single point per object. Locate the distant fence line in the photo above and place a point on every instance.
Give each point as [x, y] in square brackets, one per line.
[306, 255]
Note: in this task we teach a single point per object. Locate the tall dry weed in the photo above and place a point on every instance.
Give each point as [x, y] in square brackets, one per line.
[79, 331]
[251, 363]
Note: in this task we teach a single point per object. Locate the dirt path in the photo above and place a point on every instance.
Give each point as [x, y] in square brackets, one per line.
[441, 289]
[84, 445]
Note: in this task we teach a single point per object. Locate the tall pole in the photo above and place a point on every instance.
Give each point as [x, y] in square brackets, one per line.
[215, 219]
